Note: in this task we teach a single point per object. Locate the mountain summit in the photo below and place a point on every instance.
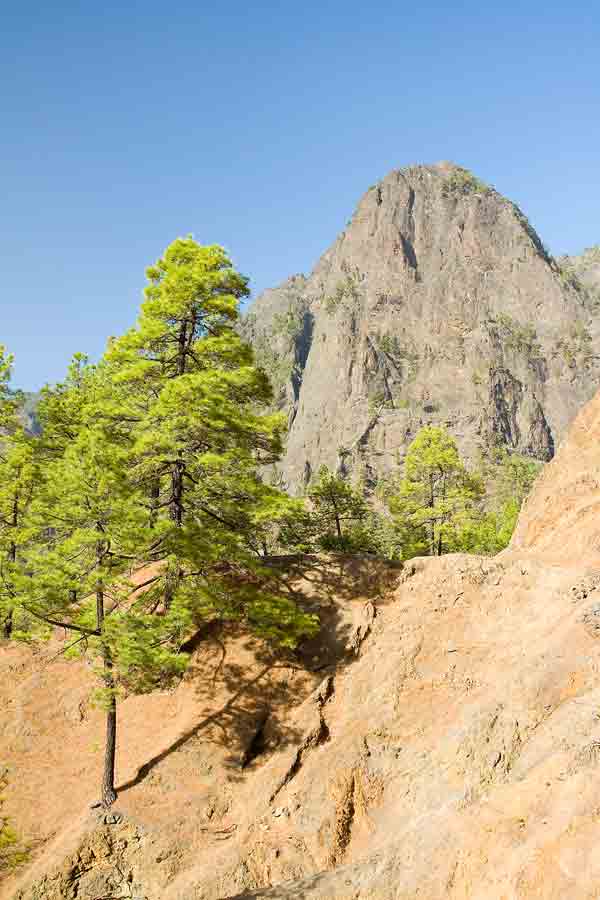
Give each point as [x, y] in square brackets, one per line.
[438, 304]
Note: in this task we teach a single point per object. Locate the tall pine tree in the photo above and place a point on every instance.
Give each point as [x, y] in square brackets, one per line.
[85, 524]
[149, 508]
[198, 409]
[437, 497]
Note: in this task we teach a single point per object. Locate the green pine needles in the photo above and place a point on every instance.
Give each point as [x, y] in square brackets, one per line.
[440, 506]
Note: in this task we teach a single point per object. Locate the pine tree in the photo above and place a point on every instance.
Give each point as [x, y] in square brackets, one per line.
[149, 513]
[85, 518]
[197, 406]
[18, 479]
[509, 478]
[437, 497]
[337, 508]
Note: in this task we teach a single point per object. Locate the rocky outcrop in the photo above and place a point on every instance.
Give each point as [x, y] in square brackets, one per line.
[437, 304]
[585, 269]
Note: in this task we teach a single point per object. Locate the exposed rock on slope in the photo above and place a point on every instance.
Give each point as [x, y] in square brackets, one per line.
[457, 756]
[437, 304]
[585, 268]
[561, 519]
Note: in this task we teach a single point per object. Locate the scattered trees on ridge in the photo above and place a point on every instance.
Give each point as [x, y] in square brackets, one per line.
[437, 505]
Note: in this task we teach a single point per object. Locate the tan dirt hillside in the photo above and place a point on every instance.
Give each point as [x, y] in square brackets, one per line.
[181, 752]
[453, 751]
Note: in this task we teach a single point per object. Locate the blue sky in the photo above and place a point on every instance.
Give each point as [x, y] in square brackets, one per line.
[259, 126]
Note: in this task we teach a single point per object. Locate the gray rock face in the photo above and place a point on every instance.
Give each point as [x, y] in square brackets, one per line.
[437, 305]
[585, 268]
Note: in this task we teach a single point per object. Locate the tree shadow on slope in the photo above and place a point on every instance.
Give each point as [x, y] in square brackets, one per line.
[246, 688]
[297, 890]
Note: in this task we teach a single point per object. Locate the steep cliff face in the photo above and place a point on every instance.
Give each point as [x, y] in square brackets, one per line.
[437, 304]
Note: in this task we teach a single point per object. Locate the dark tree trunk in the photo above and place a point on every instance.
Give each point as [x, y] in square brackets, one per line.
[177, 493]
[186, 336]
[154, 493]
[108, 793]
[336, 516]
[181, 349]
[7, 625]
[431, 505]
[172, 578]
[443, 496]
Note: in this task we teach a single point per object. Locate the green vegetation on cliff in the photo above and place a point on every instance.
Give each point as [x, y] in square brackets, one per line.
[433, 505]
[439, 506]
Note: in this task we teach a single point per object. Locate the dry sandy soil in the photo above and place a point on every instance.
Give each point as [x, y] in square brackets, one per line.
[442, 740]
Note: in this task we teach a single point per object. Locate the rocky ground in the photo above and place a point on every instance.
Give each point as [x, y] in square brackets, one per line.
[443, 742]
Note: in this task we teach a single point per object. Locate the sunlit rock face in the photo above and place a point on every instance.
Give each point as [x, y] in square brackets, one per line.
[437, 304]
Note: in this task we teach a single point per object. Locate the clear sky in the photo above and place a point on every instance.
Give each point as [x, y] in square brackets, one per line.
[259, 126]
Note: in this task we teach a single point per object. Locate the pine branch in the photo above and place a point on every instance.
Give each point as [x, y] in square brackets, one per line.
[70, 626]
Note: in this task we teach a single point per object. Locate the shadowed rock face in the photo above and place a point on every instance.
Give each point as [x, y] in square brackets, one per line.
[438, 304]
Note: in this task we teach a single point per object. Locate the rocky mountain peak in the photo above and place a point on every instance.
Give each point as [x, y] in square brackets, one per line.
[438, 304]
